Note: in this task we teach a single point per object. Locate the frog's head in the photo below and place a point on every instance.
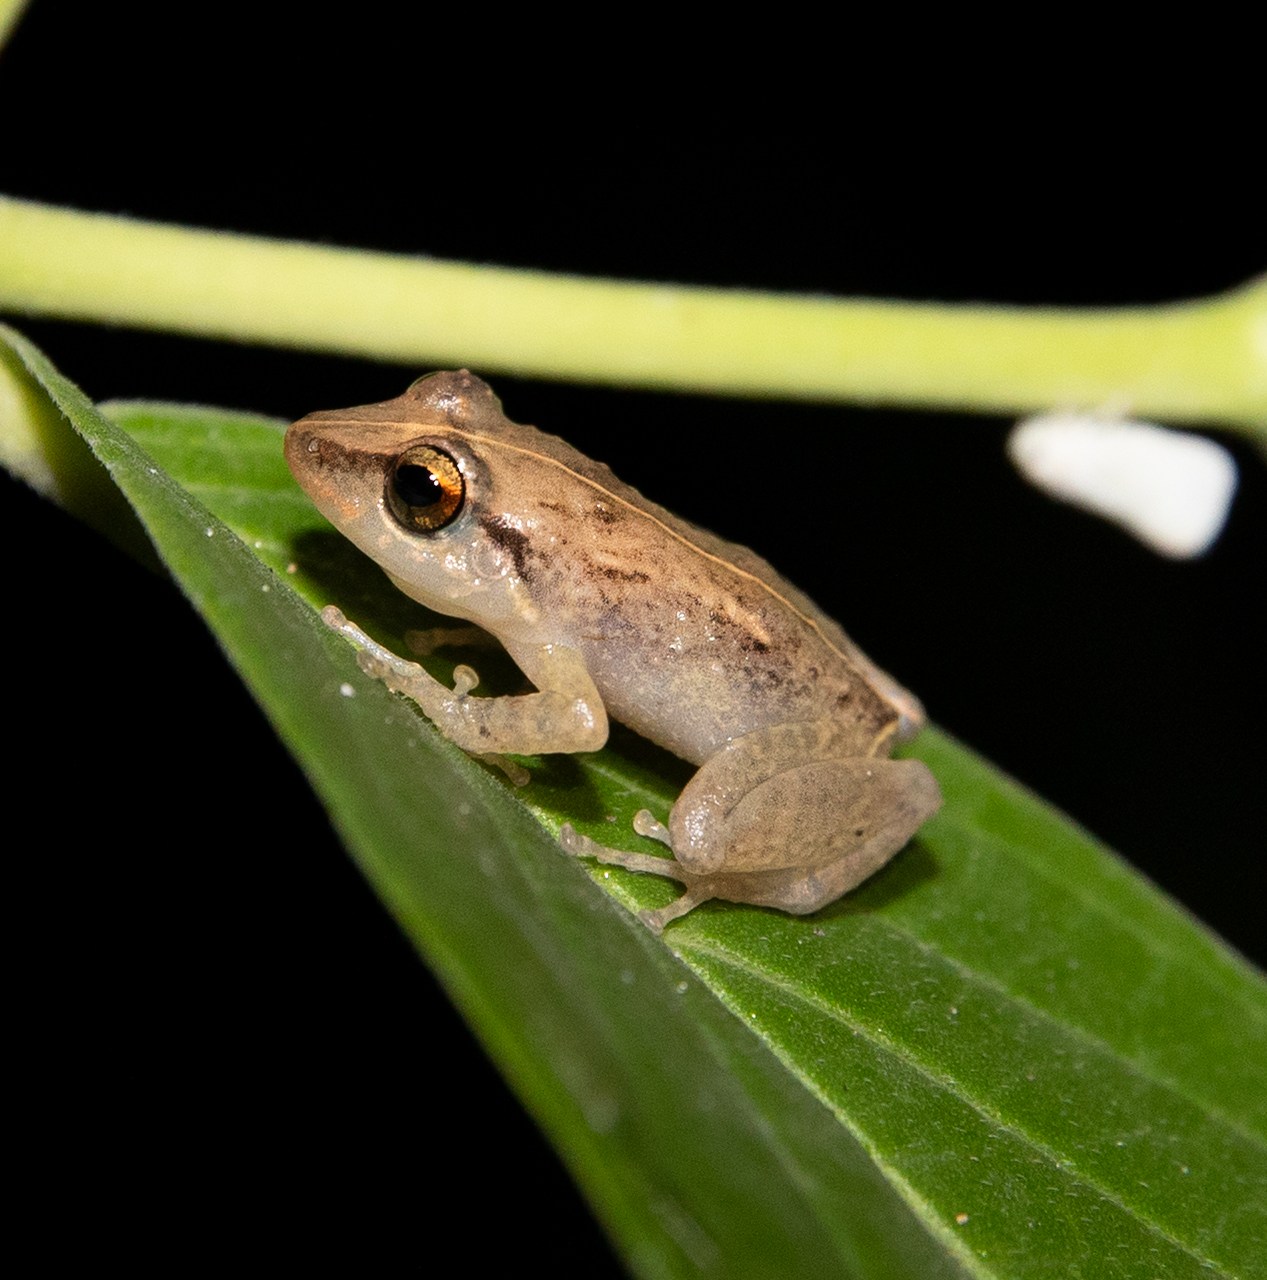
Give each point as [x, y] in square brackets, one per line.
[407, 481]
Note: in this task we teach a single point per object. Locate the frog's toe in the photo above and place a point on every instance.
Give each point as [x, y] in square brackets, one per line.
[572, 840]
[464, 680]
[656, 920]
[645, 823]
[515, 773]
[373, 666]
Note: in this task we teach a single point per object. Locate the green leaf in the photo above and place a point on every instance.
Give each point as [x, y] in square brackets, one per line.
[1005, 1055]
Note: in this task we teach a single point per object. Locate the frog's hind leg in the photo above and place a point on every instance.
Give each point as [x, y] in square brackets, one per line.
[656, 920]
[789, 817]
[783, 817]
[583, 847]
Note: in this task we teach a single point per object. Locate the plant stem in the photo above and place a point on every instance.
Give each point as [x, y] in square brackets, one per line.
[10, 12]
[1204, 360]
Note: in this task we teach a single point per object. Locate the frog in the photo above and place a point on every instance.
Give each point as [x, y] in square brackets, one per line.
[614, 608]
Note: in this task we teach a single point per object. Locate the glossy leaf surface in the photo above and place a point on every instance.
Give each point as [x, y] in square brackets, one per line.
[1005, 1055]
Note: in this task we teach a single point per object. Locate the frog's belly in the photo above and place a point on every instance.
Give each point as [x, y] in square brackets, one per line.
[694, 698]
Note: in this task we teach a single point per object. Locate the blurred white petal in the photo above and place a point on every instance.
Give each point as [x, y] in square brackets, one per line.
[1172, 490]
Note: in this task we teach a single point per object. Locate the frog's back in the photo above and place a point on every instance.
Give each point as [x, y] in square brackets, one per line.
[692, 640]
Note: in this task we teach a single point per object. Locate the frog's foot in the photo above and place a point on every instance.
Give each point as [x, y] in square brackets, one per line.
[368, 649]
[583, 847]
[397, 673]
[656, 920]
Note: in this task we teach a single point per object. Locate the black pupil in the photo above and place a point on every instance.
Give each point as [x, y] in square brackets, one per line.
[417, 486]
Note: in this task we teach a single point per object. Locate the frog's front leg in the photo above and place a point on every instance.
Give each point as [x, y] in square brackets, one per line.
[566, 715]
[780, 818]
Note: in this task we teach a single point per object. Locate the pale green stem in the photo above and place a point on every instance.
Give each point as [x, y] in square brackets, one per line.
[1204, 360]
[10, 12]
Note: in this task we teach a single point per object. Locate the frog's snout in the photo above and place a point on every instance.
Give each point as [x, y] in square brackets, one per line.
[295, 447]
[325, 464]
[321, 445]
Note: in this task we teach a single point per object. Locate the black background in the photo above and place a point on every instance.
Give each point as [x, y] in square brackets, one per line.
[227, 1033]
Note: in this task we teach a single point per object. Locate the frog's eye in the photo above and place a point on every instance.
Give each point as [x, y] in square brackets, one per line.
[425, 489]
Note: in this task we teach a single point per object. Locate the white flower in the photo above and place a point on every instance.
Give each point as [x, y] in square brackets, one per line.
[1171, 489]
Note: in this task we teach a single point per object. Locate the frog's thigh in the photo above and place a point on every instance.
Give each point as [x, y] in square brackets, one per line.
[766, 805]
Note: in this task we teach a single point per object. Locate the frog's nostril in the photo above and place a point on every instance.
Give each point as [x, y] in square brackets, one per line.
[303, 450]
